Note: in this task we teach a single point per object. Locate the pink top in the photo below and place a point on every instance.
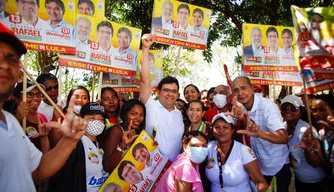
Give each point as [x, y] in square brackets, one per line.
[183, 169]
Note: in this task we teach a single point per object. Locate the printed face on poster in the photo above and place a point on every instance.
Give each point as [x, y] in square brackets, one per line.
[46, 25]
[140, 169]
[314, 28]
[178, 23]
[104, 46]
[269, 50]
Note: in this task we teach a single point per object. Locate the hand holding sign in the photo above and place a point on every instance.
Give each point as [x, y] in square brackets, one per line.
[252, 129]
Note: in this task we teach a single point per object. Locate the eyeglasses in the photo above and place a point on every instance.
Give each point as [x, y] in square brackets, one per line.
[55, 87]
[291, 108]
[31, 95]
[169, 90]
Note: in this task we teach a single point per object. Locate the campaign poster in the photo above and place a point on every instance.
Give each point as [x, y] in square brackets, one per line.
[104, 46]
[315, 45]
[94, 8]
[270, 50]
[121, 83]
[138, 175]
[181, 24]
[42, 25]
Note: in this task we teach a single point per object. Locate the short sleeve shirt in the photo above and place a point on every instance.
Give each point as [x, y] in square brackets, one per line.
[235, 177]
[18, 157]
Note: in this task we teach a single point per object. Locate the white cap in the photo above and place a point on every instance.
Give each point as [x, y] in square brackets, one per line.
[227, 118]
[294, 100]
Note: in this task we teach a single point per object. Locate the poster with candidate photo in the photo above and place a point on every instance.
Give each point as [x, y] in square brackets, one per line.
[314, 28]
[140, 168]
[269, 53]
[94, 8]
[179, 23]
[104, 46]
[45, 25]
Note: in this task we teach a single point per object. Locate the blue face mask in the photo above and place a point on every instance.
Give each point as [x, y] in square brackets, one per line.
[197, 154]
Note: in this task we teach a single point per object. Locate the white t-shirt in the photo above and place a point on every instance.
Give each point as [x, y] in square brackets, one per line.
[169, 125]
[235, 177]
[303, 171]
[46, 110]
[95, 175]
[267, 116]
[18, 157]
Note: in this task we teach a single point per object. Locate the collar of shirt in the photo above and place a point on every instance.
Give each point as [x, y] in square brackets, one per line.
[255, 104]
[199, 28]
[125, 51]
[289, 51]
[166, 22]
[61, 23]
[80, 42]
[161, 106]
[3, 125]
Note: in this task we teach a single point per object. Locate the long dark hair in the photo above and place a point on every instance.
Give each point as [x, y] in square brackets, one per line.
[71, 93]
[127, 106]
[197, 90]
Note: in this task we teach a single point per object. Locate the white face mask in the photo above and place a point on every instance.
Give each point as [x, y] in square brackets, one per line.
[259, 94]
[95, 127]
[220, 100]
[76, 109]
[197, 154]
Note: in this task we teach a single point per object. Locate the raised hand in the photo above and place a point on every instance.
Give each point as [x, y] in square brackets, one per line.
[252, 129]
[43, 130]
[22, 110]
[237, 111]
[147, 40]
[329, 124]
[73, 127]
[308, 142]
[128, 136]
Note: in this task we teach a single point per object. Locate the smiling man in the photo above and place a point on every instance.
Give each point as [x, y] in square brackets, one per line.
[83, 28]
[124, 38]
[272, 38]
[198, 17]
[287, 41]
[128, 173]
[183, 13]
[161, 114]
[165, 21]
[86, 7]
[255, 49]
[56, 10]
[269, 138]
[104, 35]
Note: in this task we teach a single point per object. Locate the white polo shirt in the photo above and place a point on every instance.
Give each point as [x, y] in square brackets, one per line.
[18, 157]
[267, 116]
[169, 125]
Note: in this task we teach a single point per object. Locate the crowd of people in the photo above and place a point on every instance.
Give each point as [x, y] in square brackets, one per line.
[224, 139]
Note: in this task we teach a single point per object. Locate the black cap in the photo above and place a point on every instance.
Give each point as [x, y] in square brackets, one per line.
[8, 36]
[92, 108]
[19, 88]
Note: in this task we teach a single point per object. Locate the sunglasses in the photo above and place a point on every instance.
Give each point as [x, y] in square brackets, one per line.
[31, 95]
[291, 108]
[55, 87]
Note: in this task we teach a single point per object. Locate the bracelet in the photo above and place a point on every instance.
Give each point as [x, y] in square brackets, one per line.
[119, 148]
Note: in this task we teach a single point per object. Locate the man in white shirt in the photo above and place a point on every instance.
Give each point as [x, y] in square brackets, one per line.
[3, 13]
[105, 33]
[183, 13]
[267, 133]
[20, 159]
[161, 114]
[255, 49]
[272, 38]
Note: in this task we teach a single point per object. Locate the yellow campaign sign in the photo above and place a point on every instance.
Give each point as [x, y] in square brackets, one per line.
[48, 26]
[94, 8]
[179, 23]
[142, 174]
[109, 44]
[270, 51]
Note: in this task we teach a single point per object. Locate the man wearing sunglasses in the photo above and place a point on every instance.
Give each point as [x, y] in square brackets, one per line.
[50, 82]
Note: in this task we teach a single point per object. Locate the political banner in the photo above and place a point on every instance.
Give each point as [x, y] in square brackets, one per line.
[181, 24]
[269, 50]
[45, 25]
[104, 46]
[140, 169]
[132, 83]
[315, 44]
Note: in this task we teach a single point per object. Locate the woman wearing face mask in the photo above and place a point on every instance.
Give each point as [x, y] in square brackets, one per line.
[191, 92]
[230, 163]
[195, 113]
[83, 171]
[308, 178]
[183, 175]
[119, 138]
